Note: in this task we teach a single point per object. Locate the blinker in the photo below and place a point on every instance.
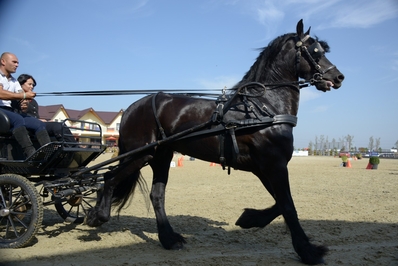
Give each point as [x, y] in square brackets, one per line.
[316, 50]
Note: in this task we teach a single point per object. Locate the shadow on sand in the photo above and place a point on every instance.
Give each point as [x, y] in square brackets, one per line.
[208, 243]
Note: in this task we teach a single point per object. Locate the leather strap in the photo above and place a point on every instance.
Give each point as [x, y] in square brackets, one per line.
[156, 116]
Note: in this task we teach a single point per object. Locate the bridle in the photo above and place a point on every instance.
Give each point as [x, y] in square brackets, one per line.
[313, 53]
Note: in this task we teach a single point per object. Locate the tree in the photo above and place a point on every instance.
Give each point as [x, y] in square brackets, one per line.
[321, 144]
[349, 139]
[334, 147]
[378, 144]
[310, 147]
[371, 143]
[334, 143]
[341, 140]
[327, 146]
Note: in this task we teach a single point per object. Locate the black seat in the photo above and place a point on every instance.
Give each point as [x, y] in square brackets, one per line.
[4, 124]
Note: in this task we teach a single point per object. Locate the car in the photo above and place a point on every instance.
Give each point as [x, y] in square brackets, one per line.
[344, 153]
[373, 154]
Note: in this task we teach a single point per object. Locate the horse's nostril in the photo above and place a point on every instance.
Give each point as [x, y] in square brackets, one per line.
[341, 77]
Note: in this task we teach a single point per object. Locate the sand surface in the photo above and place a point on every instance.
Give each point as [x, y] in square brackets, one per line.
[352, 210]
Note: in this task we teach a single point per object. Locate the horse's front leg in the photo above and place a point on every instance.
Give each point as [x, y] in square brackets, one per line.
[259, 218]
[279, 180]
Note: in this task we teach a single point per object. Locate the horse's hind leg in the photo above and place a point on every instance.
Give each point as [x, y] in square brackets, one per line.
[101, 212]
[161, 166]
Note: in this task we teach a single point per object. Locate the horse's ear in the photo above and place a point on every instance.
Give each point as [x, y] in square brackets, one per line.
[308, 31]
[300, 28]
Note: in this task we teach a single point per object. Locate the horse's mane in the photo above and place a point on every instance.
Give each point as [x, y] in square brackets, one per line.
[262, 68]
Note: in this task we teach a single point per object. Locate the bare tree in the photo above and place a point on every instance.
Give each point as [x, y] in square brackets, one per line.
[310, 146]
[341, 142]
[377, 144]
[371, 143]
[321, 144]
[334, 147]
[349, 139]
[327, 146]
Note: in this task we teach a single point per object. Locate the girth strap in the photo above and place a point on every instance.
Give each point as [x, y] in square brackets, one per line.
[156, 116]
[266, 121]
[246, 123]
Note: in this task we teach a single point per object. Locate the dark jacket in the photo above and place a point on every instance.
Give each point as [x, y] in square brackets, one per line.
[33, 108]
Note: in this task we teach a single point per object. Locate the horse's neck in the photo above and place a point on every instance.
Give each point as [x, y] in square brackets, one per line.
[279, 99]
[282, 100]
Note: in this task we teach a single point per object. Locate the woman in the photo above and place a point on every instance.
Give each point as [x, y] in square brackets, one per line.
[31, 108]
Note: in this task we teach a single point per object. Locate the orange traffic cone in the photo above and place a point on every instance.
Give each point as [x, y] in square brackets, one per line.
[212, 164]
[180, 161]
[348, 165]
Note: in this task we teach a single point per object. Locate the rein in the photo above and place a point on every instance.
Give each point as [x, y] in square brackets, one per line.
[313, 53]
[199, 93]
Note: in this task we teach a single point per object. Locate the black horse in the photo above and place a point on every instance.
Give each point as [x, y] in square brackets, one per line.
[250, 129]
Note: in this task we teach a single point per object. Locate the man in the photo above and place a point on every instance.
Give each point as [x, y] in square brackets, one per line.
[10, 89]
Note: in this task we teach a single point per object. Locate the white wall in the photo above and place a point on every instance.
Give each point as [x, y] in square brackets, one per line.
[300, 153]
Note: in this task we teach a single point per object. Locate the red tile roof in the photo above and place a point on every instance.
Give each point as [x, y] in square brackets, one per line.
[108, 117]
[48, 112]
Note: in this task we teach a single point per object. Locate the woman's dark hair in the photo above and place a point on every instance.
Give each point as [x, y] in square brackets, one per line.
[24, 77]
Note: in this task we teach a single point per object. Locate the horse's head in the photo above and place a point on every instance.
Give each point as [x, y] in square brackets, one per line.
[312, 63]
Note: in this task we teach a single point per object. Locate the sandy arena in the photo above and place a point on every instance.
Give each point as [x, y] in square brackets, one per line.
[353, 211]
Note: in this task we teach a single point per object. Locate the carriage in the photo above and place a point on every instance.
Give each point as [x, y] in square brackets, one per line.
[249, 129]
[45, 178]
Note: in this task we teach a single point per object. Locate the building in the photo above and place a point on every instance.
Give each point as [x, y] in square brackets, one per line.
[107, 122]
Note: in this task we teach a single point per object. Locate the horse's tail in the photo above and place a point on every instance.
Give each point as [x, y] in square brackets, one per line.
[129, 175]
[124, 190]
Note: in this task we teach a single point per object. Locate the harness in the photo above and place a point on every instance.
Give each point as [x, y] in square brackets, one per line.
[258, 116]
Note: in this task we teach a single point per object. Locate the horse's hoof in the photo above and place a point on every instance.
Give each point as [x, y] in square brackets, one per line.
[92, 219]
[314, 255]
[177, 246]
[90, 222]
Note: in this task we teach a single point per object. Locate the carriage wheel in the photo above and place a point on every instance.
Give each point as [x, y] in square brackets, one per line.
[74, 208]
[21, 211]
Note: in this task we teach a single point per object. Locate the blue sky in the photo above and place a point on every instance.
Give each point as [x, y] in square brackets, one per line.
[74, 45]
